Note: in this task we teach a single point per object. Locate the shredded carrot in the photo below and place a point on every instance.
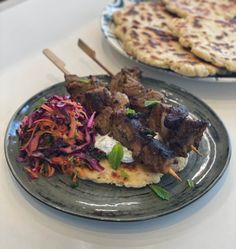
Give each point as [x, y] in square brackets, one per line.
[47, 108]
[58, 134]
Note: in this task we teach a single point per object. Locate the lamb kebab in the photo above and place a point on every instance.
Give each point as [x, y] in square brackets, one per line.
[180, 132]
[177, 128]
[111, 117]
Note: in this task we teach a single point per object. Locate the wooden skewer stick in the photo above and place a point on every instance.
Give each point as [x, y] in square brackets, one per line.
[92, 54]
[195, 150]
[55, 60]
[173, 173]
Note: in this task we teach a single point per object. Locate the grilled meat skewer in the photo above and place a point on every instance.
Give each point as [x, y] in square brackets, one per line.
[179, 131]
[127, 81]
[159, 153]
[111, 118]
[151, 152]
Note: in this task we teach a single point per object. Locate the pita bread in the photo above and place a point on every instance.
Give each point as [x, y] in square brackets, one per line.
[130, 176]
[143, 30]
[209, 8]
[144, 13]
[157, 48]
[213, 40]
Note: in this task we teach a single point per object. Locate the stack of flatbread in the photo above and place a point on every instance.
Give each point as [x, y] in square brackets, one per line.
[200, 42]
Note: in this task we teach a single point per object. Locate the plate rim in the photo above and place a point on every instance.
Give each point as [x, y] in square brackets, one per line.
[117, 219]
[121, 51]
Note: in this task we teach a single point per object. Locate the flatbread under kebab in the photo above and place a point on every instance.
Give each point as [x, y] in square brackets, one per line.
[143, 30]
[213, 8]
[130, 176]
[211, 39]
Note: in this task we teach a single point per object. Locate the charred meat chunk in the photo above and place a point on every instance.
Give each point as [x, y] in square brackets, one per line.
[117, 82]
[131, 133]
[96, 99]
[119, 101]
[163, 116]
[175, 117]
[104, 103]
[188, 134]
[156, 118]
[178, 130]
[77, 87]
[127, 81]
[103, 121]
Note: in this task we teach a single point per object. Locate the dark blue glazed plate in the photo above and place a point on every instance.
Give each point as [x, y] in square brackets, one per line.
[107, 29]
[107, 202]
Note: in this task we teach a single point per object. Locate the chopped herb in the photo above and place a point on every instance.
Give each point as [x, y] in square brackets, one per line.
[44, 169]
[124, 174]
[190, 183]
[130, 112]
[115, 156]
[74, 184]
[86, 81]
[151, 102]
[160, 192]
[38, 104]
[75, 181]
[71, 159]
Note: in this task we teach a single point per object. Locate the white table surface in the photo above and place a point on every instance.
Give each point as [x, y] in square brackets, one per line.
[26, 27]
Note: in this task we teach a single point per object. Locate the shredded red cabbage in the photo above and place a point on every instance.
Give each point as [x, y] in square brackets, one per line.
[51, 135]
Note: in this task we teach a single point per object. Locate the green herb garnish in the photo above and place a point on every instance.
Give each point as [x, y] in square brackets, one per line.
[124, 174]
[74, 184]
[39, 103]
[71, 159]
[115, 156]
[44, 170]
[151, 102]
[84, 81]
[190, 183]
[75, 181]
[130, 112]
[160, 192]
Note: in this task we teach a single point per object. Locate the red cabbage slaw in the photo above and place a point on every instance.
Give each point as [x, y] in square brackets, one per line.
[57, 136]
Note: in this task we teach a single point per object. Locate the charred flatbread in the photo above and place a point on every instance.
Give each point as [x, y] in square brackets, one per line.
[213, 8]
[213, 40]
[144, 33]
[130, 176]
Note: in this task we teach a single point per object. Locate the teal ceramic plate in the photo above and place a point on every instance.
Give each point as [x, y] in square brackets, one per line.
[107, 202]
[107, 29]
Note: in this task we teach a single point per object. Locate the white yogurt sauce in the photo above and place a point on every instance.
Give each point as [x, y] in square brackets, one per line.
[105, 143]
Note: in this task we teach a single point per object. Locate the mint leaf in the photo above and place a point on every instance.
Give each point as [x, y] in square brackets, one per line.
[74, 184]
[190, 183]
[124, 174]
[86, 81]
[160, 192]
[115, 156]
[39, 103]
[130, 112]
[151, 102]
